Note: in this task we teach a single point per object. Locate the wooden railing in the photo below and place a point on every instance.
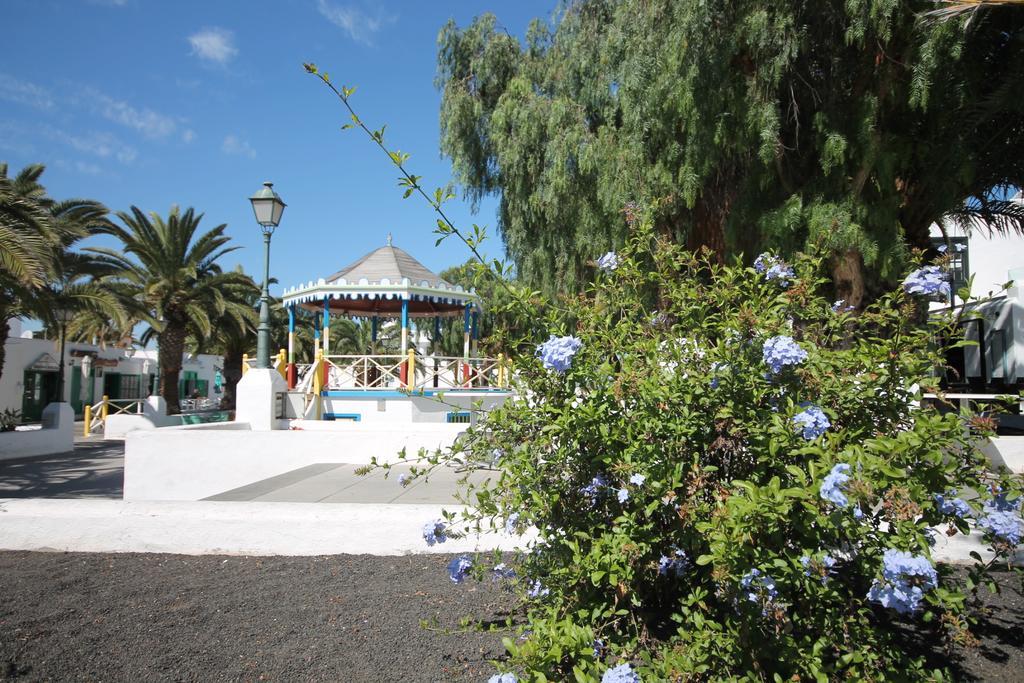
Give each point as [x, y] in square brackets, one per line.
[403, 373]
[95, 416]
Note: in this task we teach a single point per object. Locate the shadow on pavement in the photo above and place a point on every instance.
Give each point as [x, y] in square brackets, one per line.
[92, 470]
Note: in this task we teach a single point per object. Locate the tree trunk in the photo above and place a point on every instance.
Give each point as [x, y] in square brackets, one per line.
[171, 347]
[709, 216]
[232, 374]
[848, 277]
[5, 329]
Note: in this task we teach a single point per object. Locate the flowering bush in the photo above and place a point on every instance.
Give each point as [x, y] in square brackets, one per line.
[730, 477]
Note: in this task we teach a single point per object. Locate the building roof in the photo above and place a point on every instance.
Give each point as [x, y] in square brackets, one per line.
[378, 283]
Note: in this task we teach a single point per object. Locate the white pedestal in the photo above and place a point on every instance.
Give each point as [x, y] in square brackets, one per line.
[256, 398]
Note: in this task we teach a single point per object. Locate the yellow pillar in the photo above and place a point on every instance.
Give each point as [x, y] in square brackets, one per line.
[318, 382]
[245, 363]
[410, 375]
[87, 416]
[501, 370]
[282, 363]
[104, 409]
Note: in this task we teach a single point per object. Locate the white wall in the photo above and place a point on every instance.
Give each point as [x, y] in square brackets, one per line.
[990, 257]
[57, 435]
[191, 463]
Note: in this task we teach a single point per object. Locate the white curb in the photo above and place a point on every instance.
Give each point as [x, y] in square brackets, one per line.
[229, 528]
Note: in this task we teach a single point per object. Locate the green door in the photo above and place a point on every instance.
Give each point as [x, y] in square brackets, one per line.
[112, 385]
[76, 390]
[40, 390]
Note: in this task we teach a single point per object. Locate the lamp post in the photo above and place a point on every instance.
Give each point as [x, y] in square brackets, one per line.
[268, 207]
[62, 316]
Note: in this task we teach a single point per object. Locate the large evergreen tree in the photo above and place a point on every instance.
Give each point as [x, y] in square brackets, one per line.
[843, 125]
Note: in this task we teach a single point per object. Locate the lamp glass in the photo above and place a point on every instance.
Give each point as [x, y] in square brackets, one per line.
[267, 206]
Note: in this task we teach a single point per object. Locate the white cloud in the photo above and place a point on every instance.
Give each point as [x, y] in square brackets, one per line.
[150, 123]
[88, 169]
[102, 145]
[214, 45]
[188, 136]
[23, 92]
[360, 26]
[80, 166]
[234, 145]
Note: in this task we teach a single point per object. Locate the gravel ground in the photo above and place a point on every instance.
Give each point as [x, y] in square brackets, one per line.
[352, 618]
[142, 617]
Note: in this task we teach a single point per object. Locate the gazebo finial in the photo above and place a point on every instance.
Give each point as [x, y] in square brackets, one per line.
[389, 239]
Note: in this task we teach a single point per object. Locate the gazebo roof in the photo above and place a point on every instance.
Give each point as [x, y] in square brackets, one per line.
[376, 285]
[391, 263]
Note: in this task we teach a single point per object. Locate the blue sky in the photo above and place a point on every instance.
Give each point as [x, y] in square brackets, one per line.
[197, 103]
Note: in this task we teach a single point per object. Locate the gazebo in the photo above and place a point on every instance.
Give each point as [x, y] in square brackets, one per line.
[388, 283]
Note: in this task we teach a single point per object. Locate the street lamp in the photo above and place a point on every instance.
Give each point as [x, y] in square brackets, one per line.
[62, 316]
[268, 207]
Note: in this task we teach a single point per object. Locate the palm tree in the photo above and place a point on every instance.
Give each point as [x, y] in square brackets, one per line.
[233, 332]
[172, 274]
[25, 244]
[40, 272]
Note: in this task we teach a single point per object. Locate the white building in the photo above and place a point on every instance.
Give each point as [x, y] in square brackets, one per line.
[30, 372]
[996, 261]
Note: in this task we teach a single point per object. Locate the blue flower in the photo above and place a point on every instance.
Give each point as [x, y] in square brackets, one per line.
[623, 673]
[928, 281]
[503, 678]
[819, 567]
[609, 261]
[622, 495]
[674, 564]
[1005, 526]
[637, 479]
[760, 587]
[1001, 504]
[403, 479]
[942, 248]
[774, 269]
[599, 648]
[593, 489]
[813, 421]
[905, 579]
[858, 513]
[458, 568]
[501, 571]
[512, 523]
[832, 485]
[537, 590]
[780, 351]
[435, 532]
[557, 352]
[957, 506]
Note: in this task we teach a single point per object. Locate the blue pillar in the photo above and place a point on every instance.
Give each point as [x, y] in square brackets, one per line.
[373, 329]
[316, 335]
[327, 325]
[405, 326]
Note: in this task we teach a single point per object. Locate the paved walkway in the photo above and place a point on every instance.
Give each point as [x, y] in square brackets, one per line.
[339, 483]
[95, 469]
